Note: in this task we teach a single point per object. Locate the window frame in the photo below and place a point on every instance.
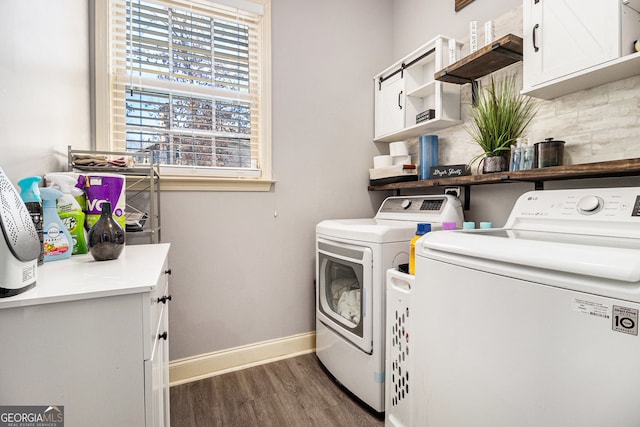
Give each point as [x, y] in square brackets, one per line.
[189, 179]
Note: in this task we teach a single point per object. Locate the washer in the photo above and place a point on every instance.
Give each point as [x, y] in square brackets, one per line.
[533, 324]
[352, 257]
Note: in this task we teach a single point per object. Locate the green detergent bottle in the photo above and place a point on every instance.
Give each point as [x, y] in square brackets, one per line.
[70, 211]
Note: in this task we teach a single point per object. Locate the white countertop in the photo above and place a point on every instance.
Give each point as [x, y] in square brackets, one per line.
[81, 277]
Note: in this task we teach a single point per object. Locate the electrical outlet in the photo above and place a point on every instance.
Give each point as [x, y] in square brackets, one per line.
[454, 191]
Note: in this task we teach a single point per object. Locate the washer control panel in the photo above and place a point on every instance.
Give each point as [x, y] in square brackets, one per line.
[636, 207]
[588, 205]
[583, 210]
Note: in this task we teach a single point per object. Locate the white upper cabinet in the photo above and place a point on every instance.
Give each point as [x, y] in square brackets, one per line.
[570, 45]
[390, 105]
[565, 36]
[407, 90]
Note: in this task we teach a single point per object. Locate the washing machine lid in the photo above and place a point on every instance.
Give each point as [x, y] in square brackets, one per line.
[370, 230]
[588, 232]
[612, 258]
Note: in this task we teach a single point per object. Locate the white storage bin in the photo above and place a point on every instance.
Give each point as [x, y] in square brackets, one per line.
[398, 361]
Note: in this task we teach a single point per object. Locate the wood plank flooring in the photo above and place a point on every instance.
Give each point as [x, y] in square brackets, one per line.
[292, 392]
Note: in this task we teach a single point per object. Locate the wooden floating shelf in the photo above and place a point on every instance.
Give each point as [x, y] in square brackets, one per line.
[502, 52]
[615, 168]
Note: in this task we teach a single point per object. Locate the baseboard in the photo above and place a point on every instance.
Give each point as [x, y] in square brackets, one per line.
[207, 365]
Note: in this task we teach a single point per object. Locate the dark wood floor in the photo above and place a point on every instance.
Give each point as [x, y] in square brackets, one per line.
[292, 392]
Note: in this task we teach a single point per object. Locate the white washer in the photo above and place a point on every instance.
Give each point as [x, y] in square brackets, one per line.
[534, 324]
[352, 257]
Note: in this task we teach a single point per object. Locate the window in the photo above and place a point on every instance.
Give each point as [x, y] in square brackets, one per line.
[188, 80]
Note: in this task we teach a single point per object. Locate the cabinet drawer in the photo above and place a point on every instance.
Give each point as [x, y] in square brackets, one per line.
[157, 301]
[156, 372]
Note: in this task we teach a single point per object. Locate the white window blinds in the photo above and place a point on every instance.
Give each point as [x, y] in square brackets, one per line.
[185, 82]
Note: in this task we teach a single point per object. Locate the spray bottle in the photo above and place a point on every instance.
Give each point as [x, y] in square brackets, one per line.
[70, 211]
[58, 243]
[30, 195]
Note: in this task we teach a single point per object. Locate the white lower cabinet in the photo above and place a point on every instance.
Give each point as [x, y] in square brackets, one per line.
[87, 338]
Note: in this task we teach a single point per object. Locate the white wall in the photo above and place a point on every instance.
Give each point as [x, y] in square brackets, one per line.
[44, 84]
[415, 22]
[241, 274]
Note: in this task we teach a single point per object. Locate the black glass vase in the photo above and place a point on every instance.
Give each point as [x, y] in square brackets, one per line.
[106, 237]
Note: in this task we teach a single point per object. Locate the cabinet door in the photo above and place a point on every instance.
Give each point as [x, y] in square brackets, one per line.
[163, 360]
[157, 368]
[565, 36]
[160, 375]
[84, 355]
[390, 105]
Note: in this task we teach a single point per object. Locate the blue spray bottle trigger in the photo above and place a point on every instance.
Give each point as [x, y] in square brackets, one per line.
[30, 192]
[30, 195]
[49, 196]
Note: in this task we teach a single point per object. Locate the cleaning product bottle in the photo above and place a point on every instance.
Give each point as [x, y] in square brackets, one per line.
[69, 210]
[30, 195]
[58, 243]
[423, 228]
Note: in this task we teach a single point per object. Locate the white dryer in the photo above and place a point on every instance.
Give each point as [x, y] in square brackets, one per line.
[534, 324]
[352, 257]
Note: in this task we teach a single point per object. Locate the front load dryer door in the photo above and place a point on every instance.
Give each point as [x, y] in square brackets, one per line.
[344, 293]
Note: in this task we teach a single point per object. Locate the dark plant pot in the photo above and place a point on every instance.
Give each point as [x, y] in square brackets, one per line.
[106, 237]
[494, 164]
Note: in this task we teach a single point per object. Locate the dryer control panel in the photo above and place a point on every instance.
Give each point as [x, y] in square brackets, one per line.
[422, 208]
[413, 204]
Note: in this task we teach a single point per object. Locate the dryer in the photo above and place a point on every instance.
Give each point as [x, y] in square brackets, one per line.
[533, 324]
[352, 257]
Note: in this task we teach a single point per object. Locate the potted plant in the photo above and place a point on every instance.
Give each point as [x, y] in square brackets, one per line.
[501, 116]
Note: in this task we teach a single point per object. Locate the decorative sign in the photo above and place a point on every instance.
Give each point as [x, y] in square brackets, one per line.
[447, 171]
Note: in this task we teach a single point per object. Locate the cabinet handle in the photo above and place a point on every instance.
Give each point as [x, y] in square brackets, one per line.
[163, 336]
[167, 272]
[399, 105]
[533, 36]
[164, 299]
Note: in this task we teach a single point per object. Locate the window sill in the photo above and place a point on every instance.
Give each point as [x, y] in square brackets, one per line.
[208, 183]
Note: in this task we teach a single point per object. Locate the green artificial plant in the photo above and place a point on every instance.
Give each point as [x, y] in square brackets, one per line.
[501, 116]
